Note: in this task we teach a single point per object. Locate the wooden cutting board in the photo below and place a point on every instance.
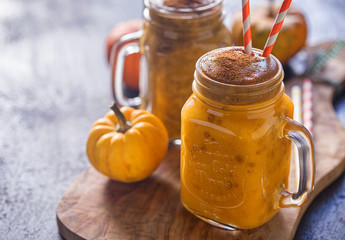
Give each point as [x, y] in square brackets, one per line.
[95, 207]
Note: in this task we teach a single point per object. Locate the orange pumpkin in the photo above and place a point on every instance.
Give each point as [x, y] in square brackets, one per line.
[131, 67]
[291, 38]
[127, 145]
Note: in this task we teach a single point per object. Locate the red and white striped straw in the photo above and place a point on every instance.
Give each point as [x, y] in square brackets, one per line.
[247, 33]
[296, 95]
[308, 104]
[276, 28]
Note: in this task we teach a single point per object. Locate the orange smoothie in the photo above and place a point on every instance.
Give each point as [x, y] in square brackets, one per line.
[176, 34]
[234, 161]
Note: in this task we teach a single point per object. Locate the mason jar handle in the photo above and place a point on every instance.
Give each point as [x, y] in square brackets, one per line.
[300, 136]
[128, 44]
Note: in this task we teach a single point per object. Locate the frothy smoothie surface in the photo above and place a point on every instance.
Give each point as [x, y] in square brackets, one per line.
[186, 3]
[233, 66]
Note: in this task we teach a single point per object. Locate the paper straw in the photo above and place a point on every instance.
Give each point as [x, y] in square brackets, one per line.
[247, 34]
[276, 28]
[308, 104]
[296, 95]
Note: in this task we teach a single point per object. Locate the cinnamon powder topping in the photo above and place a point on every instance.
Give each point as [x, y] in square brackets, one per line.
[186, 3]
[233, 66]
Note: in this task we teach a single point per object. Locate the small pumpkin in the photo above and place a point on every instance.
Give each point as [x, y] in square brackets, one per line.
[128, 144]
[292, 36]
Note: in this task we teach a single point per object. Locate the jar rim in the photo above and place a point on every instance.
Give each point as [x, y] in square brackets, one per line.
[158, 6]
[232, 93]
[256, 51]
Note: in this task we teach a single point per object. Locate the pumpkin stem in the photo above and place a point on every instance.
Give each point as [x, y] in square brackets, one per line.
[271, 9]
[124, 126]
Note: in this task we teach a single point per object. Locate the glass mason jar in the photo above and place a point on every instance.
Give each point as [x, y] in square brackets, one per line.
[236, 151]
[174, 36]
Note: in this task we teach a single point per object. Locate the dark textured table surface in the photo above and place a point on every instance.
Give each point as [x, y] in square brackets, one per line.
[54, 83]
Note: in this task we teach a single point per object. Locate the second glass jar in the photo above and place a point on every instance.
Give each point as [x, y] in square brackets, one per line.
[174, 36]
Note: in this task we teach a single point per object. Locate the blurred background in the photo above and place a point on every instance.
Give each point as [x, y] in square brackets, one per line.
[55, 82]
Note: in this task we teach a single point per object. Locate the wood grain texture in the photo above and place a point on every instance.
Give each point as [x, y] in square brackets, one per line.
[97, 208]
